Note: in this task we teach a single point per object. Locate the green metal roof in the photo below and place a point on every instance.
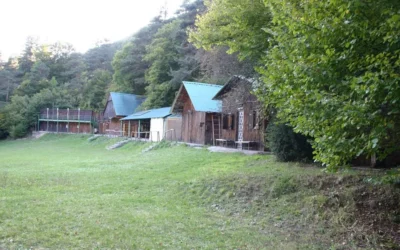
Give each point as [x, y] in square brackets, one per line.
[201, 95]
[125, 104]
[148, 114]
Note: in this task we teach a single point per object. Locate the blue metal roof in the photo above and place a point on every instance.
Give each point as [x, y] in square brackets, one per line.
[125, 104]
[148, 114]
[201, 95]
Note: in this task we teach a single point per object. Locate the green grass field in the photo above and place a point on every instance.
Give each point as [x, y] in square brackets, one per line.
[64, 192]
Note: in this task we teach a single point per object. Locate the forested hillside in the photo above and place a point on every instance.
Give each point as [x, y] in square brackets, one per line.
[153, 62]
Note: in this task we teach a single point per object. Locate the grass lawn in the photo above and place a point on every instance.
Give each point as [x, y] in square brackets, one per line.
[64, 192]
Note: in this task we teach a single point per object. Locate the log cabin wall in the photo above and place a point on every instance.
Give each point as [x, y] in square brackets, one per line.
[253, 129]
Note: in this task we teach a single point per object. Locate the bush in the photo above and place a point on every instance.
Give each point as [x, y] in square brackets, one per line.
[288, 145]
[18, 131]
[3, 134]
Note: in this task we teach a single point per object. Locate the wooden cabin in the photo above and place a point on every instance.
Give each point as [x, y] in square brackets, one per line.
[118, 106]
[243, 125]
[66, 120]
[149, 124]
[201, 119]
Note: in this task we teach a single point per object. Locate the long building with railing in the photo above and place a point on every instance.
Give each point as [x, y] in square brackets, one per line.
[67, 120]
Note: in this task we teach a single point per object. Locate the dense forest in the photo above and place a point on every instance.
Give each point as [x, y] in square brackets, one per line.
[330, 69]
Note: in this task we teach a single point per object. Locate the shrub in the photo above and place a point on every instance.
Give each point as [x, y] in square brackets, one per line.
[18, 131]
[288, 145]
[3, 134]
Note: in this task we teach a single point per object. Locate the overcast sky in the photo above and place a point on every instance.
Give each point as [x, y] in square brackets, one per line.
[79, 22]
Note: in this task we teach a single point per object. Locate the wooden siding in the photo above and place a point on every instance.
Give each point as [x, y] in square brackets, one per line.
[193, 123]
[65, 127]
[174, 123]
[110, 127]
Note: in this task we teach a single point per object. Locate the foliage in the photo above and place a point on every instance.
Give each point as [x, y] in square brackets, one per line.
[162, 56]
[217, 66]
[128, 64]
[286, 144]
[101, 56]
[237, 24]
[95, 90]
[18, 131]
[3, 129]
[333, 73]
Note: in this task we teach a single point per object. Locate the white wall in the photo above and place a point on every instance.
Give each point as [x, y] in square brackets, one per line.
[157, 125]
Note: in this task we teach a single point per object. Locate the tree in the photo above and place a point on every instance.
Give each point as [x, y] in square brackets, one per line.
[217, 66]
[162, 55]
[101, 56]
[94, 95]
[26, 61]
[237, 24]
[128, 64]
[34, 81]
[333, 73]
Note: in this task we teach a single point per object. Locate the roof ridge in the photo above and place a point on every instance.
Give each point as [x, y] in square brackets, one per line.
[126, 93]
[202, 83]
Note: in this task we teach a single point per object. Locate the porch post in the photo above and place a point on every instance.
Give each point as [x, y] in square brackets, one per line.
[57, 120]
[129, 128]
[67, 120]
[79, 120]
[47, 129]
[122, 132]
[139, 130]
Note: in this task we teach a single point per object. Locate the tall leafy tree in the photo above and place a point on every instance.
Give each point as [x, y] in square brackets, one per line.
[28, 58]
[94, 95]
[334, 74]
[8, 79]
[237, 24]
[162, 55]
[128, 64]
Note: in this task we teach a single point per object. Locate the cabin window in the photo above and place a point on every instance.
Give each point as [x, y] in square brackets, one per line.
[228, 122]
[254, 120]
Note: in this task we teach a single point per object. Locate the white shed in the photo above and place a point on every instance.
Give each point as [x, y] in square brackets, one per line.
[150, 124]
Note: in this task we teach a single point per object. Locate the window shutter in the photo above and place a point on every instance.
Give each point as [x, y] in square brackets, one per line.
[225, 122]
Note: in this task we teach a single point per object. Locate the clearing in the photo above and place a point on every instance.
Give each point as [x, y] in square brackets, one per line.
[66, 192]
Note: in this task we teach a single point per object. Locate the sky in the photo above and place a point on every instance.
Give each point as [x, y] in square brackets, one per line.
[79, 22]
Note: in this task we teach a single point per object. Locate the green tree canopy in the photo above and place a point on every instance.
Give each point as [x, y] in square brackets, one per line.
[237, 24]
[333, 72]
